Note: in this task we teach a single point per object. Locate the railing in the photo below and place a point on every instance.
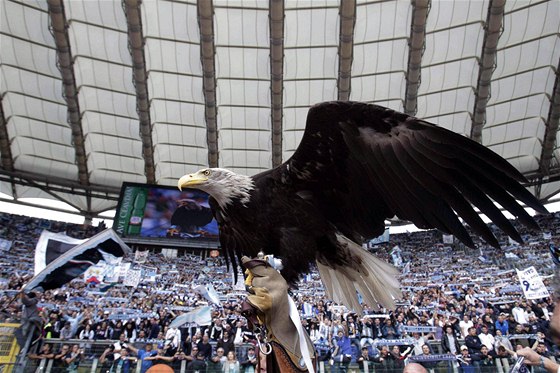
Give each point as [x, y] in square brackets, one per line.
[94, 349]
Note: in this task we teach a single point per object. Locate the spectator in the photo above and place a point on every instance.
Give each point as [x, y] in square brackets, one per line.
[154, 329]
[502, 341]
[250, 363]
[343, 350]
[123, 363]
[466, 363]
[449, 342]
[146, 356]
[231, 365]
[519, 314]
[426, 351]
[87, 333]
[465, 325]
[226, 342]
[473, 342]
[364, 357]
[59, 363]
[45, 353]
[486, 338]
[367, 332]
[485, 360]
[66, 331]
[217, 361]
[31, 320]
[73, 359]
[398, 358]
[130, 331]
[502, 324]
[197, 365]
[383, 362]
[205, 347]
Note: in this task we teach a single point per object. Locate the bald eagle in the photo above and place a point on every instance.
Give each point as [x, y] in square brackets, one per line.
[357, 165]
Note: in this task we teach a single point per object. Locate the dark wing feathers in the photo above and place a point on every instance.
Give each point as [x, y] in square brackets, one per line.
[363, 163]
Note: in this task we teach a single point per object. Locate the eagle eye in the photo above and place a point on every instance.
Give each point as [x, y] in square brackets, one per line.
[206, 172]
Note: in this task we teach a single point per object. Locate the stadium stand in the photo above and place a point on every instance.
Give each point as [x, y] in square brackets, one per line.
[474, 292]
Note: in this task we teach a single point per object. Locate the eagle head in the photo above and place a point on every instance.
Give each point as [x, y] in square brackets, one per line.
[223, 185]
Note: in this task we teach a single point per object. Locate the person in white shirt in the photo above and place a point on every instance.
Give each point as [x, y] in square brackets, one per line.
[545, 312]
[469, 298]
[486, 338]
[519, 314]
[465, 325]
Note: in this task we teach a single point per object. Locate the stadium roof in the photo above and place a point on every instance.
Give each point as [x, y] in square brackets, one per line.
[94, 93]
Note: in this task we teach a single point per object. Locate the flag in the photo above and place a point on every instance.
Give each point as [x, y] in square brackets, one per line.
[50, 246]
[133, 277]
[511, 256]
[208, 293]
[199, 316]
[448, 239]
[532, 284]
[105, 246]
[407, 267]
[5, 245]
[141, 256]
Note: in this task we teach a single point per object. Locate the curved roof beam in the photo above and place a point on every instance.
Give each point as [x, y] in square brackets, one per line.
[207, 53]
[347, 13]
[416, 43]
[133, 15]
[58, 184]
[276, 21]
[65, 63]
[5, 150]
[486, 65]
[552, 123]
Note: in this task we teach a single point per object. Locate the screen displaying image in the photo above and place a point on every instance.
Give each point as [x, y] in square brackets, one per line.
[151, 211]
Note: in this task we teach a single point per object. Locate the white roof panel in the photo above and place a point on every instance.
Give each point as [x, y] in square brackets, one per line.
[36, 112]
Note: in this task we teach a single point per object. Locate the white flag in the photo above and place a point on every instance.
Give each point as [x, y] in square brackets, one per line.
[199, 316]
[448, 239]
[208, 293]
[133, 277]
[532, 284]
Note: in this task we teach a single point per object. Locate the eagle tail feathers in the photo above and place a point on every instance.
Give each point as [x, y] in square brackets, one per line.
[373, 278]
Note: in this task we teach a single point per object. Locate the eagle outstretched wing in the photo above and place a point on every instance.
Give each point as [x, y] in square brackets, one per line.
[361, 164]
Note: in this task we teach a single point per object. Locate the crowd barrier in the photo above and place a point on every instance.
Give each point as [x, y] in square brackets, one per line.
[8, 347]
[94, 349]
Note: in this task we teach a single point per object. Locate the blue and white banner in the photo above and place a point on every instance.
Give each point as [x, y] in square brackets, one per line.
[394, 342]
[420, 329]
[522, 336]
[116, 299]
[426, 358]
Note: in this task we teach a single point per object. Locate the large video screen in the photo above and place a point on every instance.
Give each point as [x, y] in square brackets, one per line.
[155, 211]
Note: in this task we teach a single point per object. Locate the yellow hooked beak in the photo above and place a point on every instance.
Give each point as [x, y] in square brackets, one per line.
[191, 179]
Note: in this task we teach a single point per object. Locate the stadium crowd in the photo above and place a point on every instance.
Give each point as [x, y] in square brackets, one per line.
[457, 301]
